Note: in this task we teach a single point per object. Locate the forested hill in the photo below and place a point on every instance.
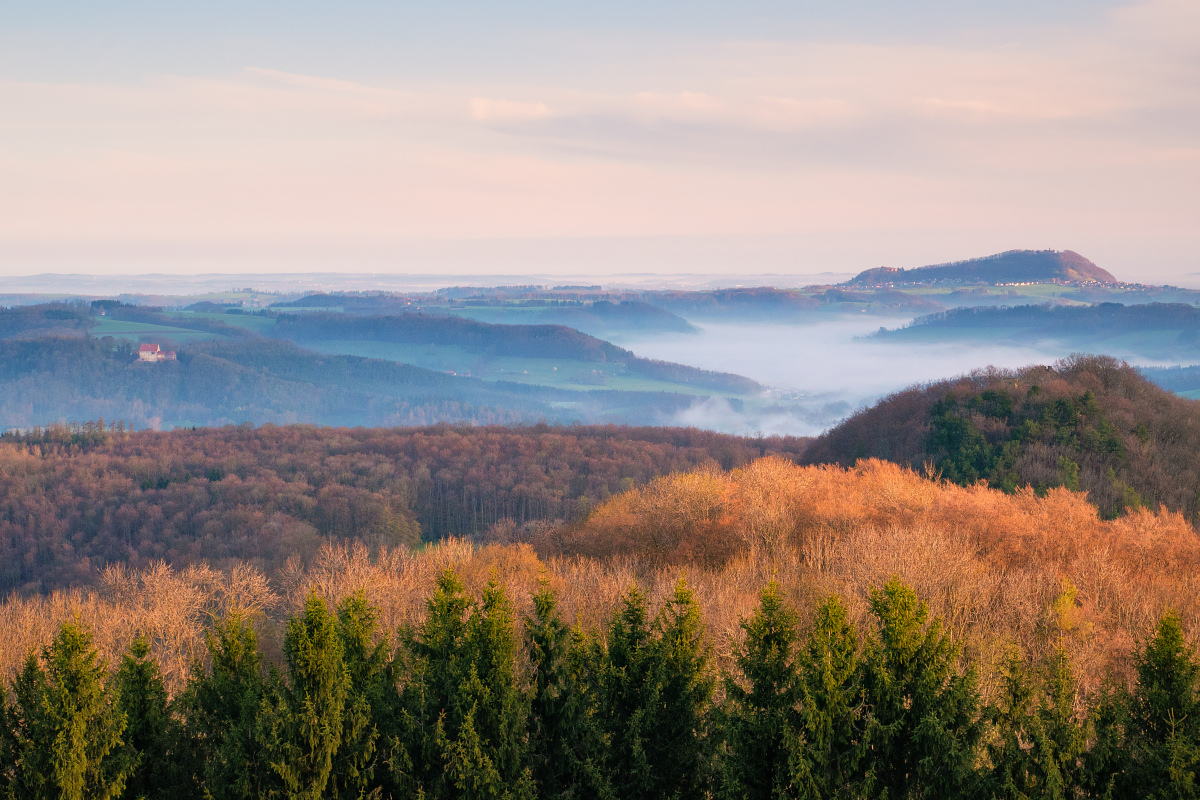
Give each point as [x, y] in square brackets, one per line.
[1057, 321]
[537, 341]
[1089, 423]
[267, 380]
[524, 341]
[217, 383]
[1011, 266]
[1162, 331]
[72, 501]
[49, 318]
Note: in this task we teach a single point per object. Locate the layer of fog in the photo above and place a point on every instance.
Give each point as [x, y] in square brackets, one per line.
[818, 373]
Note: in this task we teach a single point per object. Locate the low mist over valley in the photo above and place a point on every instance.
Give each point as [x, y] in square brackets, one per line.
[743, 360]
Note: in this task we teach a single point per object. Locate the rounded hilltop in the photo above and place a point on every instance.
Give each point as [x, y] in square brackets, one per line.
[1009, 267]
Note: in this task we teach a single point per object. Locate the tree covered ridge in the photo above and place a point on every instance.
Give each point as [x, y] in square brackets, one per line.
[482, 699]
[75, 499]
[274, 381]
[1089, 423]
[530, 341]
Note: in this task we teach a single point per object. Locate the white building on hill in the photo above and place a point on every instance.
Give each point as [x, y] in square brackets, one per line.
[151, 352]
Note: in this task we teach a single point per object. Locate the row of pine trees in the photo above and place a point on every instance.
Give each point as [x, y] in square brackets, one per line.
[474, 703]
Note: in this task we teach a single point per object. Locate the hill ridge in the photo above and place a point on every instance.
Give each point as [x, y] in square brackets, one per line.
[1010, 266]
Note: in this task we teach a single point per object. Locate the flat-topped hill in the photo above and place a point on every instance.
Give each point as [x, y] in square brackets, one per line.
[1011, 266]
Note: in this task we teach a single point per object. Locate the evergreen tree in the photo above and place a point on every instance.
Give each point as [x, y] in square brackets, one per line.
[763, 719]
[431, 663]
[566, 743]
[656, 687]
[1037, 745]
[1163, 725]
[223, 742]
[142, 697]
[832, 703]
[464, 715]
[1065, 734]
[679, 747]
[629, 689]
[923, 727]
[1106, 757]
[370, 701]
[32, 756]
[8, 744]
[308, 715]
[488, 760]
[66, 726]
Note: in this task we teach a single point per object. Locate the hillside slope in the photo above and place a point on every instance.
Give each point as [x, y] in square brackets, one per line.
[1161, 331]
[492, 341]
[1088, 423]
[263, 380]
[1011, 266]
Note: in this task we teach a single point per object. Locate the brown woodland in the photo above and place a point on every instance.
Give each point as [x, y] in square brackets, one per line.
[74, 500]
[994, 566]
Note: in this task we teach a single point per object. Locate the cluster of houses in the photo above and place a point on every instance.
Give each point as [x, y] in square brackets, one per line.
[151, 352]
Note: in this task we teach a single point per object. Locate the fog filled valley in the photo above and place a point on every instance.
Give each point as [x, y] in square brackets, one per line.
[739, 360]
[924, 533]
[819, 372]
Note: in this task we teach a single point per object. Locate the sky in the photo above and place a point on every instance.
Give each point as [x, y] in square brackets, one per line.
[562, 138]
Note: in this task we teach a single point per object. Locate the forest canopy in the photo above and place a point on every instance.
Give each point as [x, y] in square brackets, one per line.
[74, 500]
[868, 649]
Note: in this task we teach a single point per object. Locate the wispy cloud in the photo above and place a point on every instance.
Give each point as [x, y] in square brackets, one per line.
[487, 109]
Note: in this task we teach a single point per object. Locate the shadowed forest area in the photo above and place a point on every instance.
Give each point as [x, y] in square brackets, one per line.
[866, 632]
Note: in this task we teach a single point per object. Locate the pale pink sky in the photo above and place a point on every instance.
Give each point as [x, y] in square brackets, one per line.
[702, 154]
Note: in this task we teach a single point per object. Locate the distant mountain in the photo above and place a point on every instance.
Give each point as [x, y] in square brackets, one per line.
[1012, 266]
[1162, 331]
[1091, 424]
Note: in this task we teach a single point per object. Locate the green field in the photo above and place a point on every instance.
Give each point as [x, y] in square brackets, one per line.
[105, 326]
[259, 325]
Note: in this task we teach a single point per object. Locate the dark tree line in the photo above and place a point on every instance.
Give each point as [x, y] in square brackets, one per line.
[476, 703]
